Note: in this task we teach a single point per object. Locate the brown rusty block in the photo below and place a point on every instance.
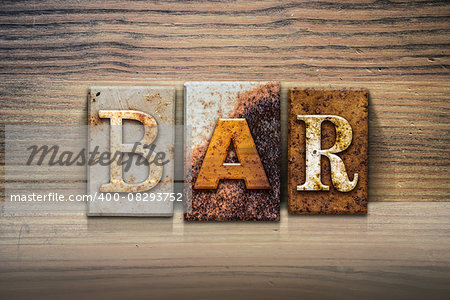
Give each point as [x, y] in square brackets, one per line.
[320, 120]
[232, 139]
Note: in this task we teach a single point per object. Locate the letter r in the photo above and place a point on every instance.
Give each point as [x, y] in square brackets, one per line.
[339, 175]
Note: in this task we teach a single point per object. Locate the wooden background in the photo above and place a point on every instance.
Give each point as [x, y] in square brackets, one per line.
[52, 51]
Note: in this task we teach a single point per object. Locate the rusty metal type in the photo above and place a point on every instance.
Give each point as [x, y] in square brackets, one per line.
[248, 167]
[116, 182]
[328, 142]
[129, 121]
[232, 151]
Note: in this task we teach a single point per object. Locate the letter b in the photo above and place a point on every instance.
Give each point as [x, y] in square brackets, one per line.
[117, 184]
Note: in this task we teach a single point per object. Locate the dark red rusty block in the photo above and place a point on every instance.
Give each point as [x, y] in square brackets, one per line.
[328, 142]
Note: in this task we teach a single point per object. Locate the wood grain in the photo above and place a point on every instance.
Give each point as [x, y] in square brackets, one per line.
[397, 251]
[52, 51]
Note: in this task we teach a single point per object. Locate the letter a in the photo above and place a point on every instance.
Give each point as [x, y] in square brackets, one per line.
[249, 168]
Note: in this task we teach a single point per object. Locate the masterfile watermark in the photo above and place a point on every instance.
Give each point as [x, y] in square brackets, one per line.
[90, 158]
[56, 163]
[103, 197]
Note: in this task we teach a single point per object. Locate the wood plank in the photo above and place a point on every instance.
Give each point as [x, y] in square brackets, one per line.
[52, 51]
[275, 40]
[397, 251]
[408, 132]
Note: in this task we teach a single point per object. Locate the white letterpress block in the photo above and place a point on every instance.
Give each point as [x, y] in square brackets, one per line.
[131, 159]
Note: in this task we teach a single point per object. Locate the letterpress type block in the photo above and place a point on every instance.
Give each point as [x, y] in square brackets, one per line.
[328, 141]
[131, 140]
[232, 160]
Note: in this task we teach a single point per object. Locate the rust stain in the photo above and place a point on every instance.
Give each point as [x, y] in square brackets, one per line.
[94, 120]
[160, 104]
[153, 97]
[132, 179]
